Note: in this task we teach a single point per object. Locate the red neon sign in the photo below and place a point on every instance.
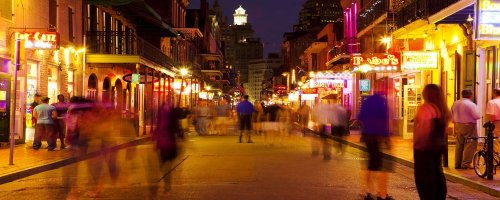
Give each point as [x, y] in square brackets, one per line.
[38, 40]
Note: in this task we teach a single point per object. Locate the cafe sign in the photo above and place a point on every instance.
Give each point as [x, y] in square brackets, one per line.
[375, 62]
[487, 23]
[411, 60]
[38, 40]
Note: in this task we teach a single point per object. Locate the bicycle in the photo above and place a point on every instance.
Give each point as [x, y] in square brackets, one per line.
[479, 159]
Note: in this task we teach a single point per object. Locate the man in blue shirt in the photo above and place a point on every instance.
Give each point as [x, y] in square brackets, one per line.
[245, 110]
[45, 115]
[374, 117]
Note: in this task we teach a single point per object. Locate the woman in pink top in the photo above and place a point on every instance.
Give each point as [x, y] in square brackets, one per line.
[429, 136]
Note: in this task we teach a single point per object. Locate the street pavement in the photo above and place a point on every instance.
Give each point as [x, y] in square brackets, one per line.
[218, 167]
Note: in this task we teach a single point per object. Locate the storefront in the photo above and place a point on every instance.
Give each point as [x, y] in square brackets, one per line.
[328, 87]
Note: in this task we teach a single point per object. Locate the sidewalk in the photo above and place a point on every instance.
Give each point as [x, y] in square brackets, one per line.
[402, 152]
[28, 161]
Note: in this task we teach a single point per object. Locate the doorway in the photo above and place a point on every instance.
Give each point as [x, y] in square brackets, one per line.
[411, 100]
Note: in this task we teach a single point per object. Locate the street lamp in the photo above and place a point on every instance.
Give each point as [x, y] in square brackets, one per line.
[184, 72]
[287, 81]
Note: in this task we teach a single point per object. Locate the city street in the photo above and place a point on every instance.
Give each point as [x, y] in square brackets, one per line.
[217, 167]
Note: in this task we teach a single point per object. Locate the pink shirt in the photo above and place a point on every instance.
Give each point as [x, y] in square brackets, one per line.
[493, 108]
[423, 125]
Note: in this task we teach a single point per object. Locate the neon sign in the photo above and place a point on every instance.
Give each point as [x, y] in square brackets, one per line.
[419, 60]
[487, 26]
[326, 83]
[375, 62]
[38, 40]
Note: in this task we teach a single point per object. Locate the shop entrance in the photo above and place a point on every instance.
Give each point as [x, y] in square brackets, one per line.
[411, 100]
[4, 107]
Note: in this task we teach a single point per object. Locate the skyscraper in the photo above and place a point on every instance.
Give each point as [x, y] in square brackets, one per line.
[240, 44]
[317, 13]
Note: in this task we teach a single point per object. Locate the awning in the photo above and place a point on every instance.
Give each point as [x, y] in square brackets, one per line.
[145, 17]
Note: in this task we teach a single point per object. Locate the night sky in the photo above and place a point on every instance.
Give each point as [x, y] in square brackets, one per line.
[269, 18]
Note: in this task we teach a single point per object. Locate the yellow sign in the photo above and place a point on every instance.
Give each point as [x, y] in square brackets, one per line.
[419, 60]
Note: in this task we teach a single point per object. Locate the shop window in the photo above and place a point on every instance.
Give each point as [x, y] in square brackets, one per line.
[53, 15]
[92, 87]
[71, 83]
[53, 86]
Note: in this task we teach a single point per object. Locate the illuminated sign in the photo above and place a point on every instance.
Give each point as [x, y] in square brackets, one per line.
[419, 60]
[326, 83]
[38, 40]
[375, 62]
[487, 26]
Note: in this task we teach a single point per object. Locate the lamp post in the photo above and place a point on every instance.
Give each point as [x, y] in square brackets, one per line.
[183, 72]
[287, 82]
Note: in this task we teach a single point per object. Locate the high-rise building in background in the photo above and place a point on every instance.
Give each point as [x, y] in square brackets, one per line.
[314, 15]
[240, 44]
[317, 13]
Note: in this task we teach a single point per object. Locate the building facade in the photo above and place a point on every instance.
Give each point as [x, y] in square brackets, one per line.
[51, 58]
[260, 74]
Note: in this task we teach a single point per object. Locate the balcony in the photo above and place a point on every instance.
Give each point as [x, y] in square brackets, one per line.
[342, 50]
[371, 12]
[420, 9]
[123, 43]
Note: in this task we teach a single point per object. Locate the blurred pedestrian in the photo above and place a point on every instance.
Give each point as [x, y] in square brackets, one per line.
[60, 122]
[270, 125]
[323, 113]
[245, 110]
[45, 115]
[493, 115]
[304, 112]
[339, 124]
[374, 117]
[429, 143]
[257, 117]
[223, 111]
[464, 116]
[202, 117]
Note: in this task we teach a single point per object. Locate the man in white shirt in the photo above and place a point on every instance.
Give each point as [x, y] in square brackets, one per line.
[493, 115]
[465, 115]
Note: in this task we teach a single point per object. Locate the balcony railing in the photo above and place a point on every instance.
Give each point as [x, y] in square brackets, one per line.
[370, 13]
[122, 43]
[419, 9]
[345, 47]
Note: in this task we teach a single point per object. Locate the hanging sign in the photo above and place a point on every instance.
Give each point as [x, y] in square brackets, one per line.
[326, 83]
[419, 60]
[487, 25]
[364, 85]
[136, 78]
[38, 40]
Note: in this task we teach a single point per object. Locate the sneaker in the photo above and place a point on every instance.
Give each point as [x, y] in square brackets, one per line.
[54, 149]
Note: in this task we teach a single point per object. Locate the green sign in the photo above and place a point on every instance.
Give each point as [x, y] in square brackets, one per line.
[136, 78]
[364, 85]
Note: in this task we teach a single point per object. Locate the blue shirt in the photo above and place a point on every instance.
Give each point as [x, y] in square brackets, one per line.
[245, 107]
[44, 112]
[374, 116]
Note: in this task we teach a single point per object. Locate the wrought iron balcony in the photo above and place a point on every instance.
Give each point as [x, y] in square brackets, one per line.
[418, 9]
[345, 47]
[122, 43]
[370, 13]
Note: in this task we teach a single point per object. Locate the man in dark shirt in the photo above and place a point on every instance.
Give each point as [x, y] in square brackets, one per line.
[60, 124]
[245, 110]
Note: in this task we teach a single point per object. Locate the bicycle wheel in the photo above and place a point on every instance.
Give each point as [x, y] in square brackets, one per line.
[479, 162]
